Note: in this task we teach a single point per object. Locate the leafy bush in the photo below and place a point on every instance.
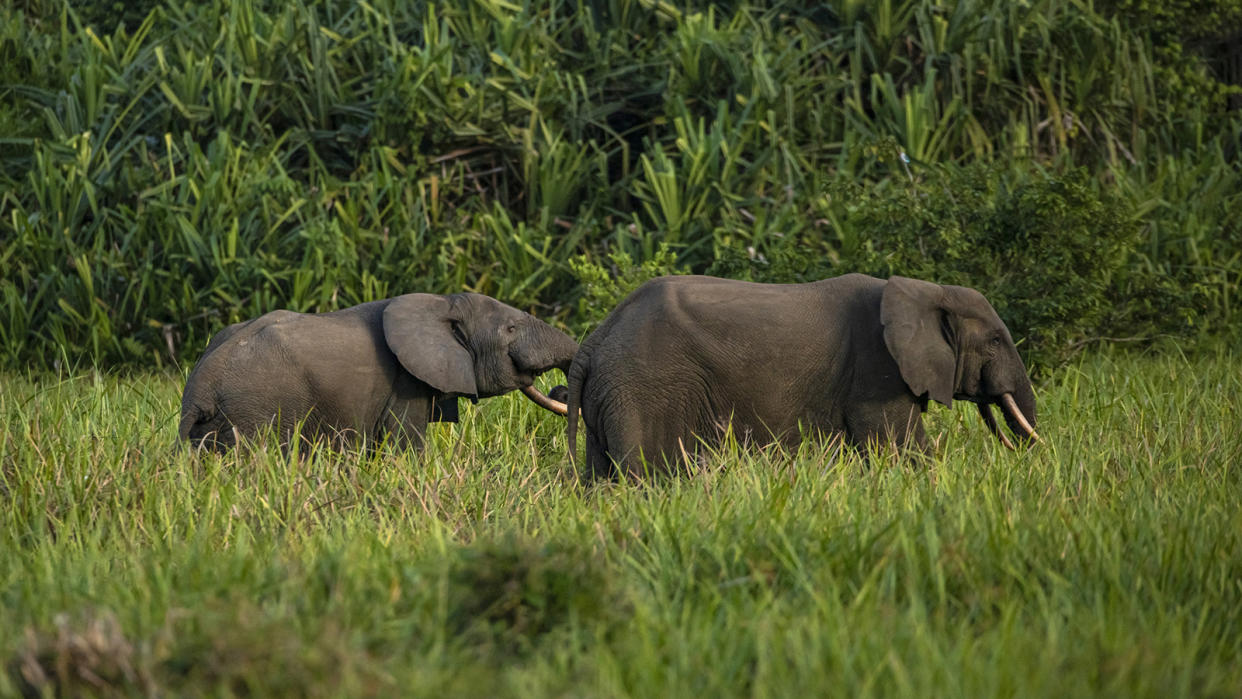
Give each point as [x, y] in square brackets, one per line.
[1044, 249]
[168, 167]
[1177, 20]
[1049, 250]
[604, 286]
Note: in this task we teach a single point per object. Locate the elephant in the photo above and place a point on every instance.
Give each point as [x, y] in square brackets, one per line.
[684, 357]
[379, 369]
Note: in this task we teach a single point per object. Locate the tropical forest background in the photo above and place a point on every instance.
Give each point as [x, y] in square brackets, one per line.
[167, 168]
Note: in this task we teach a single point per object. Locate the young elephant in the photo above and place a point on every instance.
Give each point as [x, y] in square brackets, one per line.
[683, 357]
[381, 368]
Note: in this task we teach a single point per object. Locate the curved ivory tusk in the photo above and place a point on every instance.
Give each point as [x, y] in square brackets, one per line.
[985, 410]
[545, 402]
[1011, 408]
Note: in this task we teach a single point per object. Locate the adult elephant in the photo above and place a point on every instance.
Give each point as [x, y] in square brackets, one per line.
[683, 357]
[384, 368]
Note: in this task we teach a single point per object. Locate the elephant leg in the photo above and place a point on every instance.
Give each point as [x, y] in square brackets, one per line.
[626, 451]
[627, 442]
[599, 465]
[896, 425]
[408, 410]
[213, 433]
[657, 444]
[307, 434]
[405, 423]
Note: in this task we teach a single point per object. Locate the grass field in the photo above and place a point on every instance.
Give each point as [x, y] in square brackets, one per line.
[1107, 561]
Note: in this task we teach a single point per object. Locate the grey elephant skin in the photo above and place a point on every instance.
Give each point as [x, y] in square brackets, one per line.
[683, 357]
[379, 369]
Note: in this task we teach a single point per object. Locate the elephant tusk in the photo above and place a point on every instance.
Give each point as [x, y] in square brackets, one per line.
[545, 402]
[985, 410]
[1011, 408]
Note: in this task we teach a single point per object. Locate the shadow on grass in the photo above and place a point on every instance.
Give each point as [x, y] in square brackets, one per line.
[506, 594]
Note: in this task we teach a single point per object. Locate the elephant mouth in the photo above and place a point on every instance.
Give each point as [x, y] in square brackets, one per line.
[1013, 415]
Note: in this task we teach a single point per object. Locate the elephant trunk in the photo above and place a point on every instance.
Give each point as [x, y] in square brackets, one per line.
[985, 411]
[542, 348]
[1015, 417]
[1006, 385]
[539, 347]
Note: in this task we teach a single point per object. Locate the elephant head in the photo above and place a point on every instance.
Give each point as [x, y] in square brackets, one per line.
[949, 343]
[471, 345]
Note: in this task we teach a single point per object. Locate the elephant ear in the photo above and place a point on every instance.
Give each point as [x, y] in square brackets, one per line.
[912, 313]
[419, 329]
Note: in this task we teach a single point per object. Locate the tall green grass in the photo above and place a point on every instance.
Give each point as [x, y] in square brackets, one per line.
[1103, 562]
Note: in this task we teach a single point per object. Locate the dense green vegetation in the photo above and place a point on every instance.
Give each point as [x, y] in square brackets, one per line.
[1105, 562]
[169, 167]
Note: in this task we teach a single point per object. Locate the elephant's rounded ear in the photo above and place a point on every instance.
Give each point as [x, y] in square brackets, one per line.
[912, 313]
[419, 329]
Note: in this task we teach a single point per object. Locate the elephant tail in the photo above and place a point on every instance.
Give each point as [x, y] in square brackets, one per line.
[576, 376]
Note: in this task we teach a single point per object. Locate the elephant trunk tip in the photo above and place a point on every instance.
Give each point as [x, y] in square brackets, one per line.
[985, 411]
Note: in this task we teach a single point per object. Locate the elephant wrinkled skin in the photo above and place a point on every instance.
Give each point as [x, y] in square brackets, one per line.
[384, 368]
[683, 357]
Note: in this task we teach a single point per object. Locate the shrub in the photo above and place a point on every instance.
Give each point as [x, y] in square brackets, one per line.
[1048, 249]
[162, 177]
[604, 286]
